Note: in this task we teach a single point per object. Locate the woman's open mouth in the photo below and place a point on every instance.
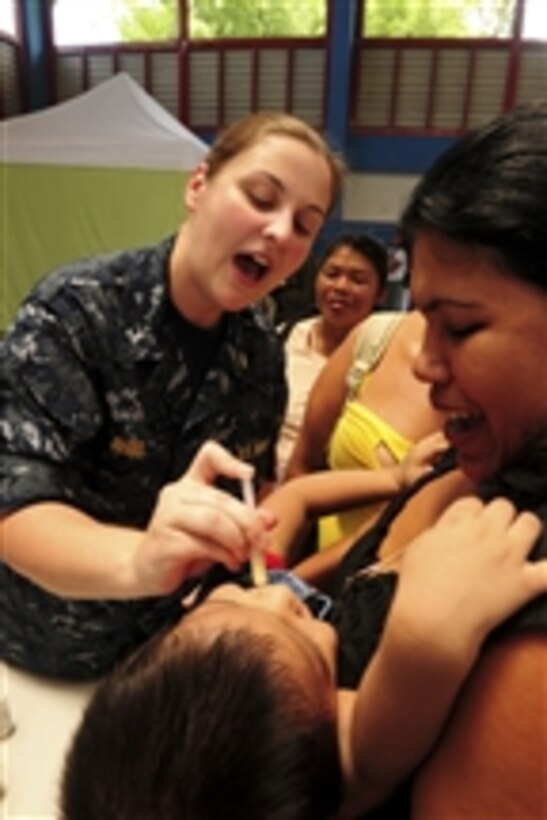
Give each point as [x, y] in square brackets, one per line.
[460, 428]
[337, 305]
[252, 266]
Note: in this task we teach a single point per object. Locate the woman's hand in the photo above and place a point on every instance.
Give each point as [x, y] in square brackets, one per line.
[458, 580]
[195, 525]
[469, 572]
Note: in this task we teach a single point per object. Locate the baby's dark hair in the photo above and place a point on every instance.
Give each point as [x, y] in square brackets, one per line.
[203, 730]
[489, 189]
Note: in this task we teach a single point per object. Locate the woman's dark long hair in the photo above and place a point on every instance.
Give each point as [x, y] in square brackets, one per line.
[489, 189]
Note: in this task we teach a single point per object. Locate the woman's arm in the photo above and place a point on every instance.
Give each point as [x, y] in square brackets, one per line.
[299, 501]
[458, 580]
[193, 526]
[322, 410]
[320, 569]
[492, 759]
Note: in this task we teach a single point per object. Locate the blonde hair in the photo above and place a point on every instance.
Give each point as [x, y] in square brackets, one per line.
[246, 132]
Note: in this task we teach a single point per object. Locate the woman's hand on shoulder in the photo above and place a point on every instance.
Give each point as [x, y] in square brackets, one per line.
[195, 525]
[469, 572]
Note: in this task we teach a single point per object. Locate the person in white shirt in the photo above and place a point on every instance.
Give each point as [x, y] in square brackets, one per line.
[349, 284]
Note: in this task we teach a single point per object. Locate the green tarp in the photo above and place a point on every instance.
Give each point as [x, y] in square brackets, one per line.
[51, 215]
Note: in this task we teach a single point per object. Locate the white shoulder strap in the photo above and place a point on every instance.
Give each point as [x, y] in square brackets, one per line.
[371, 344]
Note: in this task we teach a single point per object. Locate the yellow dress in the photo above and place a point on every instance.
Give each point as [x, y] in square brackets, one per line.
[354, 444]
[359, 432]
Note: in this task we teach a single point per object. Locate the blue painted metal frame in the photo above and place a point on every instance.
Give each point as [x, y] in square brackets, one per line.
[394, 154]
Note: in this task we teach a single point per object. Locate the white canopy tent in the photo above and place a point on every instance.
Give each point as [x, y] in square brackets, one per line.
[116, 124]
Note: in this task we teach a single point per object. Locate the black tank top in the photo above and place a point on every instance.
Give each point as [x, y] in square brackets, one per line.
[362, 601]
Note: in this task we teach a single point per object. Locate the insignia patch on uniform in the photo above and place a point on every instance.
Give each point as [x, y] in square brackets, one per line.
[253, 449]
[130, 447]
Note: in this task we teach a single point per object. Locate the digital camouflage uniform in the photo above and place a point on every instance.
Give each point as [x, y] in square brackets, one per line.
[98, 411]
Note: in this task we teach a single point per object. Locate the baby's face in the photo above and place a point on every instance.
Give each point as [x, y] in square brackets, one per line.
[306, 645]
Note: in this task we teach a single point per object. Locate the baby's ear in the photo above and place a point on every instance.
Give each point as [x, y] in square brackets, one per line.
[196, 185]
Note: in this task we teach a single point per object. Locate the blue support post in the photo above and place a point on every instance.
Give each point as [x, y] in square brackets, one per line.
[343, 22]
[343, 15]
[34, 15]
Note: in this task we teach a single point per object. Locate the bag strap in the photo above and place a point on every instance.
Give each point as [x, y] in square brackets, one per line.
[371, 345]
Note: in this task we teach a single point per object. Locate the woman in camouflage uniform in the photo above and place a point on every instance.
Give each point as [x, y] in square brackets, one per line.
[115, 372]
